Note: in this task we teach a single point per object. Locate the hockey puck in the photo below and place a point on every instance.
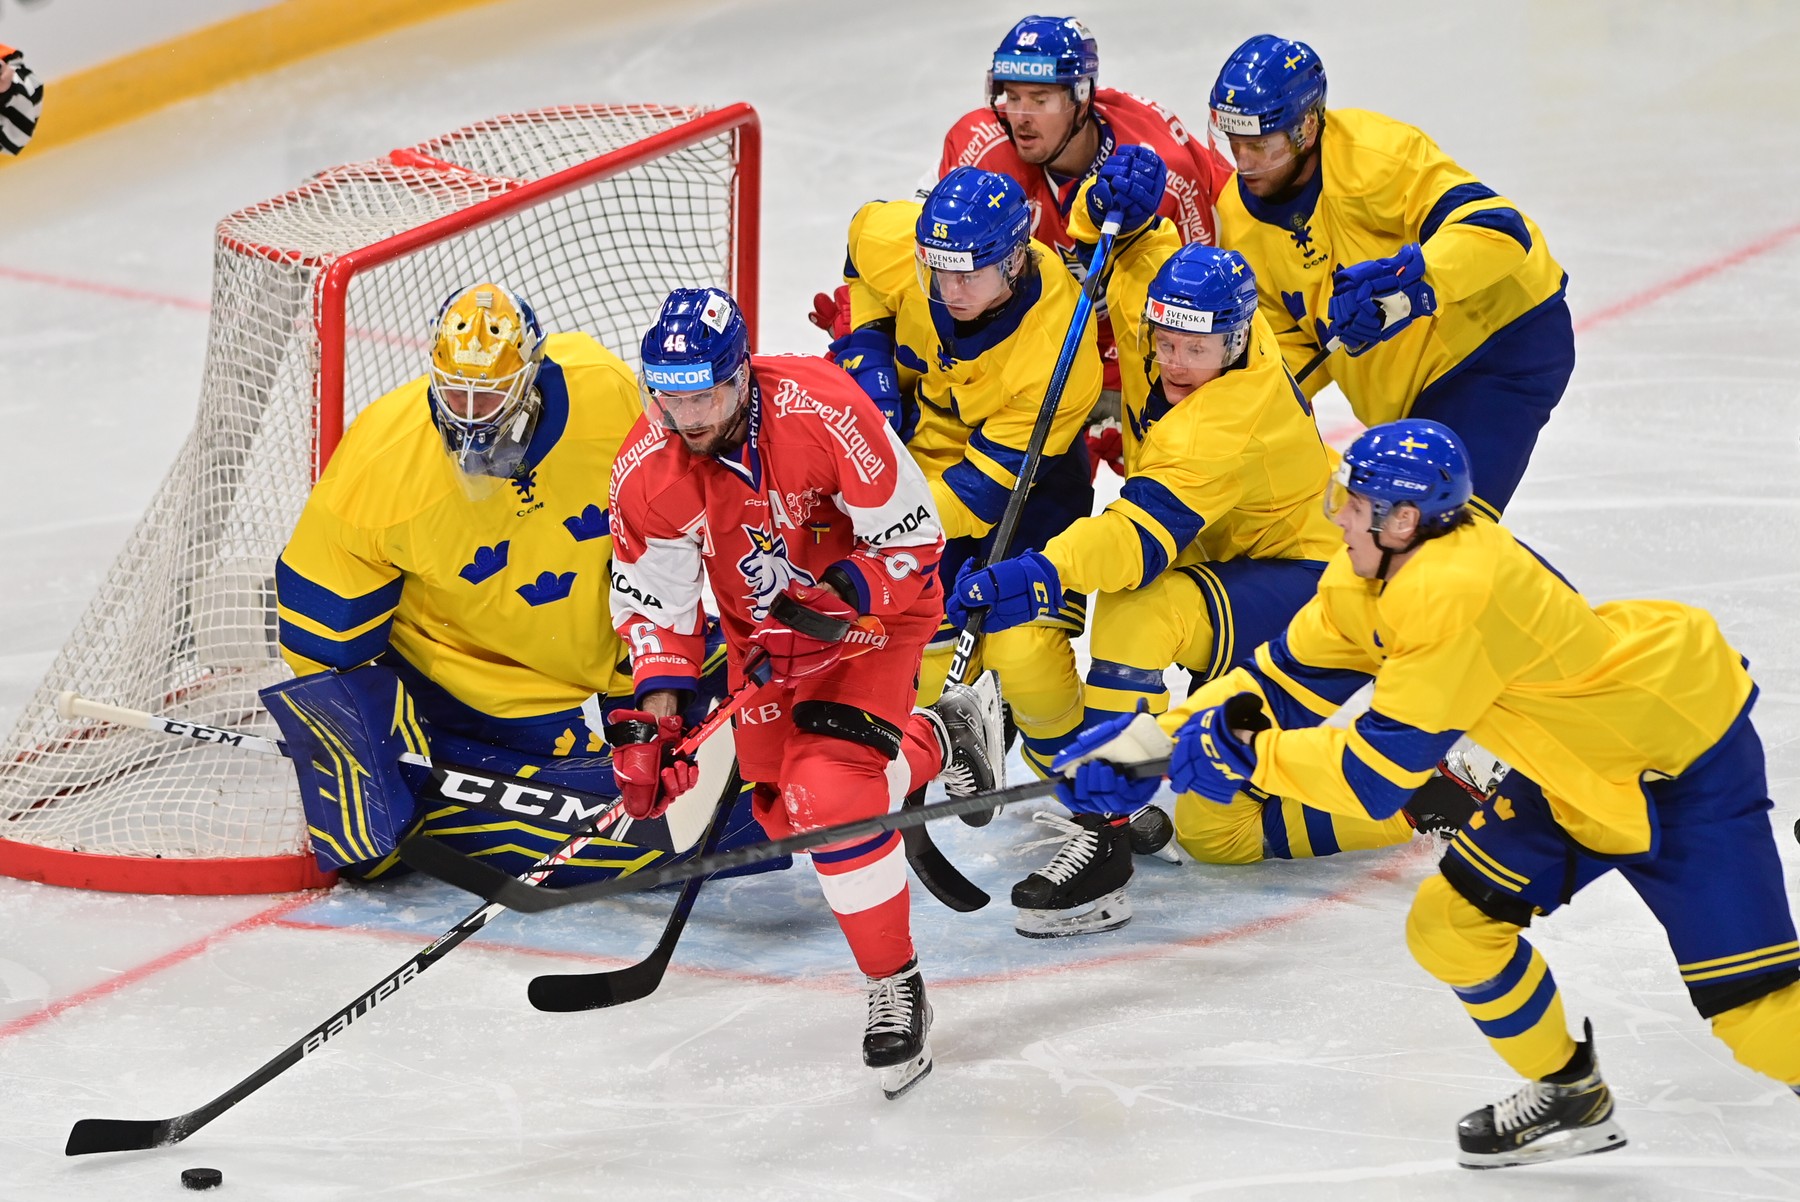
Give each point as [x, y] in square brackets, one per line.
[201, 1178]
[1151, 830]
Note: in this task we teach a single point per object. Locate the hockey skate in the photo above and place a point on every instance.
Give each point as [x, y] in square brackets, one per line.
[1568, 1113]
[896, 1042]
[1082, 889]
[968, 725]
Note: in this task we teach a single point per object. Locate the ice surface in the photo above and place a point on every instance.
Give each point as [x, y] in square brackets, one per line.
[1255, 1033]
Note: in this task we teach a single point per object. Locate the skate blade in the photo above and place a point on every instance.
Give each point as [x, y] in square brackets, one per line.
[1109, 913]
[1583, 1141]
[898, 1078]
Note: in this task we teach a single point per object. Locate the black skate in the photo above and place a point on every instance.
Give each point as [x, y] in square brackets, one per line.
[1082, 889]
[1442, 806]
[1568, 1113]
[967, 721]
[896, 1041]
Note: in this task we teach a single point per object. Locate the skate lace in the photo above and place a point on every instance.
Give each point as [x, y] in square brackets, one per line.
[1522, 1109]
[890, 1005]
[1078, 847]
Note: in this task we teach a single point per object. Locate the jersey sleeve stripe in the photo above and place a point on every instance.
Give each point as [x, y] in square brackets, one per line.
[1452, 200]
[331, 652]
[1156, 502]
[985, 496]
[1301, 695]
[1381, 797]
[329, 609]
[1005, 458]
[1507, 221]
[1401, 744]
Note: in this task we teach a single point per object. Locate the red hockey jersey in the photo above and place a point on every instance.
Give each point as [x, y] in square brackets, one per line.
[821, 480]
[1197, 172]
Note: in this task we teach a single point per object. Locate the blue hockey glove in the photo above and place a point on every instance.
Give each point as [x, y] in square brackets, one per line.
[1209, 759]
[868, 355]
[1100, 788]
[1373, 301]
[1131, 181]
[1013, 591]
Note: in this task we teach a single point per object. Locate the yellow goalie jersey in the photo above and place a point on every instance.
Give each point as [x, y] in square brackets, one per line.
[502, 601]
[1382, 184]
[1234, 469]
[1478, 634]
[978, 394]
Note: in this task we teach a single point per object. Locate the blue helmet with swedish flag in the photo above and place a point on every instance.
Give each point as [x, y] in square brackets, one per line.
[1267, 86]
[972, 236]
[1201, 290]
[1413, 461]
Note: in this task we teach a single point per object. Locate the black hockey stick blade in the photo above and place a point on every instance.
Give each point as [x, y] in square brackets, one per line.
[568, 993]
[121, 1135]
[453, 868]
[942, 879]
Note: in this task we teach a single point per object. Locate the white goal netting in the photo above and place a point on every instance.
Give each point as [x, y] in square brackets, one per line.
[322, 300]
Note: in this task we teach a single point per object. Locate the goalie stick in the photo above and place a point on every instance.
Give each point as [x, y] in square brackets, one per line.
[945, 881]
[126, 1135]
[454, 868]
[566, 993]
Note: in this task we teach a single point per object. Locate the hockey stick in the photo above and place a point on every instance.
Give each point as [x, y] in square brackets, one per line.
[452, 867]
[495, 792]
[1313, 364]
[127, 1135]
[945, 881]
[566, 993]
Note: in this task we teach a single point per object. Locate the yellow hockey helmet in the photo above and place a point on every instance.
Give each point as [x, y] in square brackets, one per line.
[484, 360]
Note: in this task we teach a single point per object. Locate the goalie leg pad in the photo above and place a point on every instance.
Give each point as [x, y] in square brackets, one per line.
[346, 732]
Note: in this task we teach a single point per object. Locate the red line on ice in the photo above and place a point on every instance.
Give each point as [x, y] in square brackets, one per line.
[1657, 291]
[150, 968]
[113, 290]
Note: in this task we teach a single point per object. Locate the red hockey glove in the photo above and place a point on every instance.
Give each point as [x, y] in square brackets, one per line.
[832, 313]
[649, 774]
[1105, 444]
[810, 628]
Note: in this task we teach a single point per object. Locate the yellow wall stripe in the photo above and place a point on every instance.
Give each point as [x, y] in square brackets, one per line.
[126, 88]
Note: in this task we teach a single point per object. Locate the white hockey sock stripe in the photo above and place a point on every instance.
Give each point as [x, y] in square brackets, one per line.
[864, 882]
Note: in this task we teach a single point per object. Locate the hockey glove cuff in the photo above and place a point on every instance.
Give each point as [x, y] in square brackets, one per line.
[1374, 300]
[649, 774]
[1210, 759]
[1013, 591]
[868, 355]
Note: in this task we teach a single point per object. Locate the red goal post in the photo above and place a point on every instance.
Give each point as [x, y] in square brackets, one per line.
[323, 299]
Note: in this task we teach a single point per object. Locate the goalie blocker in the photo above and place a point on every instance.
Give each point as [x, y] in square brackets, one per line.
[347, 733]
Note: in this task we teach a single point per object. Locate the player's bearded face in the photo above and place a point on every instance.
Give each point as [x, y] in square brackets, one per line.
[706, 419]
[1269, 164]
[1041, 115]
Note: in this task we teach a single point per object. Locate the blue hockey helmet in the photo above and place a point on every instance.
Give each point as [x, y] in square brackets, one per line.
[1046, 50]
[1201, 290]
[1419, 462]
[1267, 86]
[972, 235]
[696, 357]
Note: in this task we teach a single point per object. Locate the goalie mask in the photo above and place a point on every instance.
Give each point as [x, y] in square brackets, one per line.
[483, 365]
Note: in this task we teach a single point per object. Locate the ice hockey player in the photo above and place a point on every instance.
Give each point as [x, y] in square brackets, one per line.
[445, 590]
[1442, 293]
[1628, 725]
[21, 99]
[1048, 125]
[776, 481]
[1216, 541]
[974, 313]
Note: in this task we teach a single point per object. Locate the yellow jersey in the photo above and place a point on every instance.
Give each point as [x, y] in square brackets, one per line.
[1475, 633]
[502, 601]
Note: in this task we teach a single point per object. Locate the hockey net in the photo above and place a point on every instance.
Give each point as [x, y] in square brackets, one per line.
[323, 300]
